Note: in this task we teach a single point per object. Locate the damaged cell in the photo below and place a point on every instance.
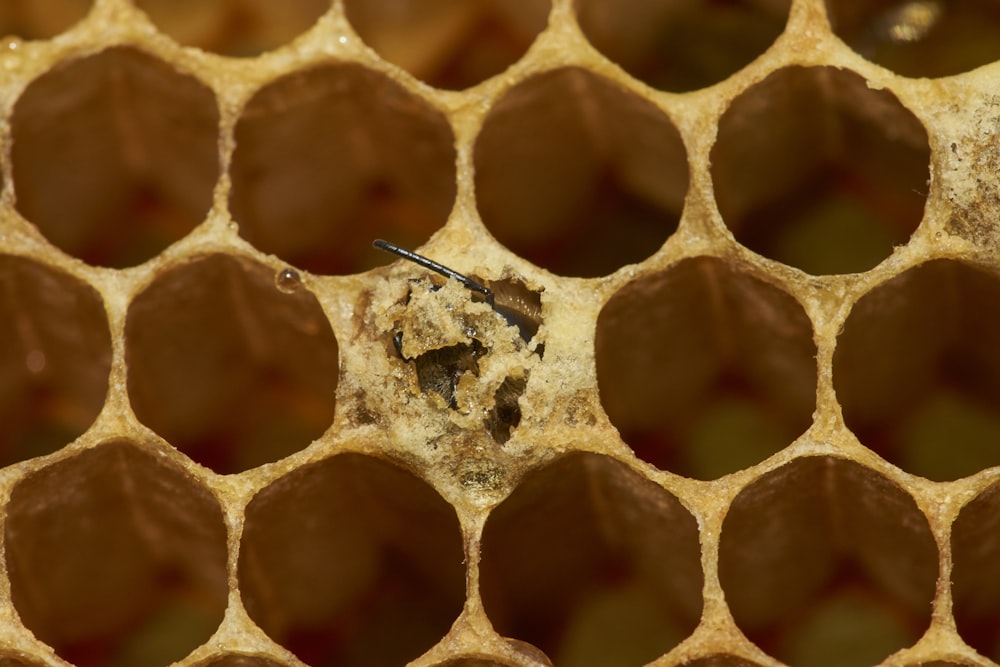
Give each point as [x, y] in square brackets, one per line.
[471, 344]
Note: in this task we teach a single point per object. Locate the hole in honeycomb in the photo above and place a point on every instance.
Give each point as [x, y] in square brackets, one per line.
[114, 156]
[116, 557]
[328, 159]
[450, 44]
[593, 564]
[720, 661]
[682, 46]
[930, 402]
[352, 561]
[975, 575]
[825, 558]
[704, 370]
[241, 661]
[55, 356]
[40, 19]
[579, 175]
[234, 27]
[920, 38]
[841, 205]
[228, 368]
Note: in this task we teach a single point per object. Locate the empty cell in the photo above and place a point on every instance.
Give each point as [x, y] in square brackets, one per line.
[116, 557]
[579, 175]
[920, 38]
[593, 564]
[841, 204]
[55, 356]
[242, 28]
[352, 562]
[705, 370]
[450, 44]
[682, 45]
[114, 155]
[826, 562]
[227, 367]
[329, 158]
[975, 575]
[917, 370]
[41, 19]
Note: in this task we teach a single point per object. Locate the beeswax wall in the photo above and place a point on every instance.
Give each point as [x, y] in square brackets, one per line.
[736, 402]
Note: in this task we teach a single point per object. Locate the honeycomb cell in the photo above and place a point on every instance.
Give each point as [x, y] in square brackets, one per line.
[825, 562]
[920, 38]
[115, 155]
[40, 19]
[579, 175]
[352, 561]
[116, 557]
[917, 370]
[842, 205]
[55, 356]
[241, 661]
[450, 44]
[975, 575]
[705, 370]
[329, 158]
[228, 368]
[682, 45]
[593, 564]
[234, 27]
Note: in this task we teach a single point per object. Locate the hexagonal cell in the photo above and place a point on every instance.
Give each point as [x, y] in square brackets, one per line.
[916, 370]
[116, 556]
[450, 44]
[975, 574]
[592, 563]
[920, 38]
[705, 370]
[41, 19]
[234, 27]
[579, 175]
[352, 561]
[824, 558]
[842, 205]
[227, 367]
[115, 155]
[330, 158]
[682, 45]
[55, 356]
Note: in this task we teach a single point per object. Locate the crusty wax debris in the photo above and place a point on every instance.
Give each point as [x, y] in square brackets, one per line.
[464, 355]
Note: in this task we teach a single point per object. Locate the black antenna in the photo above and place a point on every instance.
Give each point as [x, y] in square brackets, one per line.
[434, 266]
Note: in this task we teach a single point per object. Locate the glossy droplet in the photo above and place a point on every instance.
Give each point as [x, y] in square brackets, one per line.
[287, 280]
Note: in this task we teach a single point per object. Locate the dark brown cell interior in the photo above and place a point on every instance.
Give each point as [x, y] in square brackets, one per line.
[825, 562]
[975, 575]
[55, 356]
[330, 158]
[917, 370]
[682, 46]
[815, 169]
[116, 557]
[40, 19]
[450, 44]
[227, 367]
[352, 561]
[920, 38]
[593, 564]
[114, 155]
[241, 28]
[241, 661]
[579, 175]
[705, 370]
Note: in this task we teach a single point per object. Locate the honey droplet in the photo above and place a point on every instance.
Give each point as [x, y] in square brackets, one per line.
[287, 280]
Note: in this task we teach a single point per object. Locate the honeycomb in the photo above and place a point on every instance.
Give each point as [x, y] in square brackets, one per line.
[734, 401]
